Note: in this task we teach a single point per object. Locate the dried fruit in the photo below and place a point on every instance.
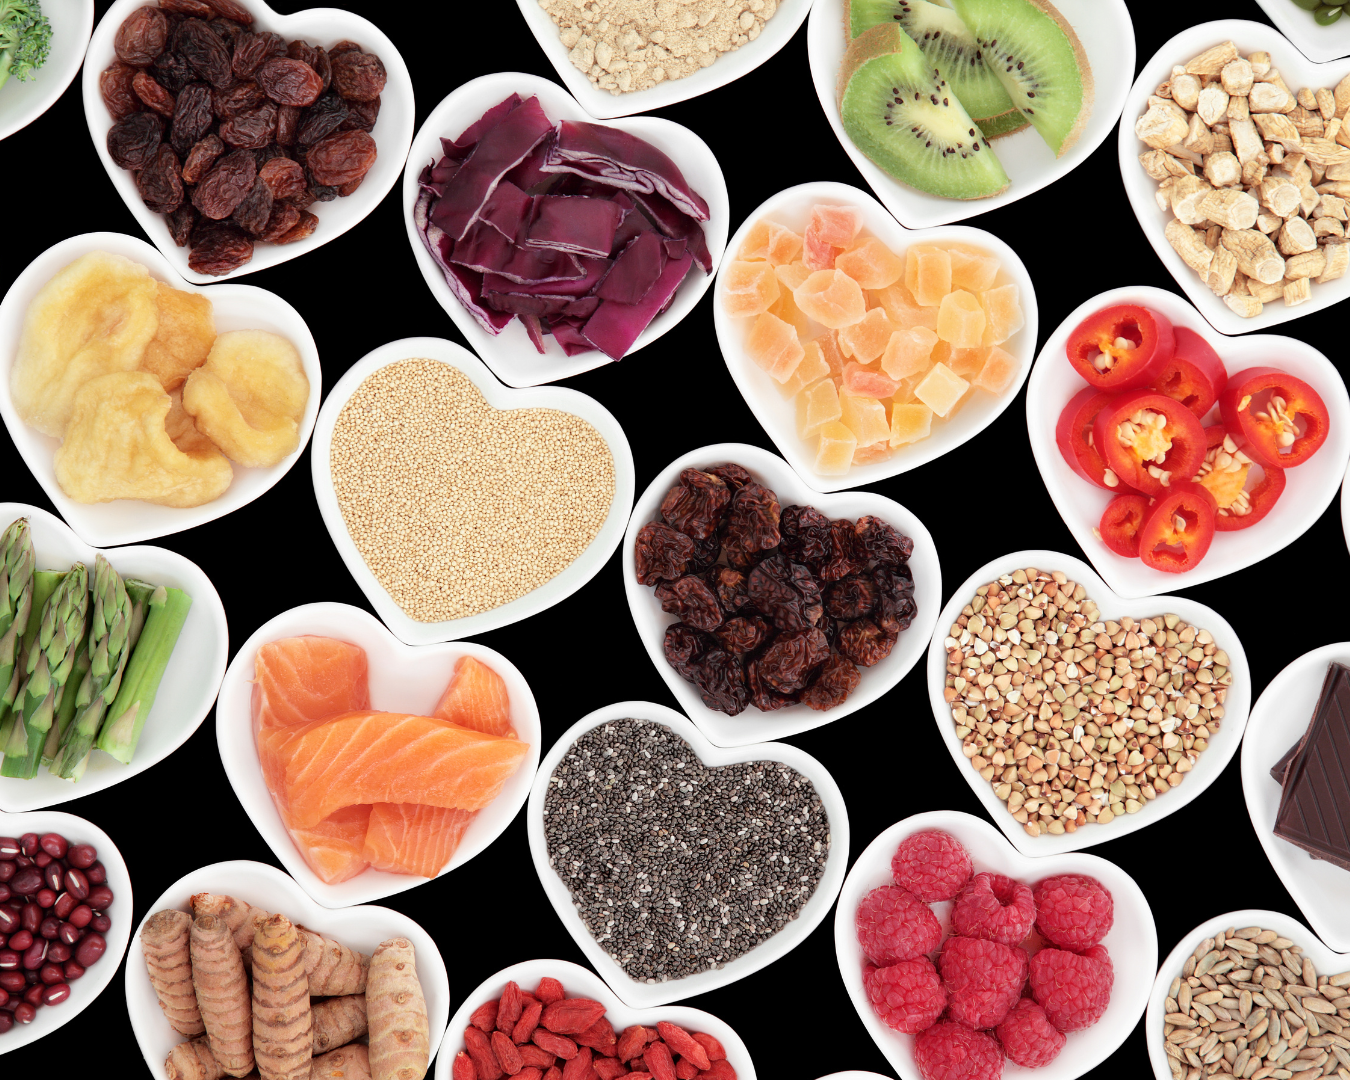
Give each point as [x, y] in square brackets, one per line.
[289, 82]
[695, 505]
[201, 157]
[250, 50]
[571, 1015]
[141, 36]
[851, 597]
[865, 643]
[882, 542]
[285, 177]
[230, 9]
[159, 184]
[284, 218]
[359, 76]
[203, 49]
[192, 118]
[239, 98]
[133, 141]
[224, 187]
[743, 635]
[341, 158]
[251, 130]
[181, 223]
[255, 212]
[114, 84]
[154, 95]
[692, 600]
[786, 593]
[361, 116]
[661, 553]
[172, 71]
[302, 229]
[787, 664]
[836, 680]
[218, 247]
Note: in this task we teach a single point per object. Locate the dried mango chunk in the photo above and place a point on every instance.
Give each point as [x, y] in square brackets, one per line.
[961, 320]
[187, 330]
[908, 352]
[832, 298]
[910, 423]
[817, 405]
[784, 245]
[941, 389]
[967, 362]
[973, 271]
[1003, 314]
[903, 309]
[774, 346]
[756, 242]
[748, 288]
[811, 368]
[865, 417]
[867, 382]
[1000, 369]
[834, 451]
[785, 308]
[866, 339]
[871, 264]
[792, 274]
[928, 274]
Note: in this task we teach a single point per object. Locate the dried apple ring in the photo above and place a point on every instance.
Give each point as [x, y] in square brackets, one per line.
[187, 330]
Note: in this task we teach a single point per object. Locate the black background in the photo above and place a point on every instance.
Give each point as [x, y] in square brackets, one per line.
[1078, 237]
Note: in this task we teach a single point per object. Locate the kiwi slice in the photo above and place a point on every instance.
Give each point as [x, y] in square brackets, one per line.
[902, 114]
[1038, 58]
[1008, 123]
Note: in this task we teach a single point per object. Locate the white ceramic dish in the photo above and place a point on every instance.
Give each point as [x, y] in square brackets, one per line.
[511, 355]
[237, 307]
[728, 67]
[1132, 940]
[1310, 487]
[586, 566]
[646, 995]
[402, 678]
[23, 102]
[1140, 187]
[578, 981]
[1107, 35]
[1209, 765]
[1318, 43]
[190, 682]
[1326, 961]
[85, 989]
[1279, 719]
[324, 27]
[778, 415]
[773, 472]
[360, 928]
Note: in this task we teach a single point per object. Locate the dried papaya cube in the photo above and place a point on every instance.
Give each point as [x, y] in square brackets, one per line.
[961, 320]
[866, 339]
[817, 405]
[1003, 314]
[784, 245]
[870, 455]
[748, 288]
[941, 389]
[904, 389]
[834, 452]
[816, 253]
[756, 242]
[865, 417]
[910, 423]
[1000, 370]
[832, 351]
[832, 299]
[792, 274]
[836, 225]
[903, 309]
[811, 368]
[973, 271]
[871, 264]
[774, 346]
[928, 274]
[785, 307]
[908, 352]
[867, 382]
[967, 362]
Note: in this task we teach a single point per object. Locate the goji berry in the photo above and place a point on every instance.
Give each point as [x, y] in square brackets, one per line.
[508, 1057]
[530, 1072]
[553, 1073]
[463, 1068]
[720, 1070]
[684, 1044]
[484, 1060]
[509, 1008]
[484, 1017]
[710, 1043]
[579, 1067]
[607, 1068]
[635, 1075]
[659, 1062]
[536, 1056]
[529, 1020]
[549, 990]
[631, 1043]
[599, 1036]
[569, 1016]
[557, 1045]
[685, 1069]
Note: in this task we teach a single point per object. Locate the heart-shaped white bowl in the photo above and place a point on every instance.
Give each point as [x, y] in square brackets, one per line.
[727, 68]
[586, 566]
[361, 928]
[1326, 961]
[190, 682]
[578, 981]
[1319, 44]
[402, 678]
[1310, 487]
[777, 414]
[1209, 764]
[1278, 721]
[1107, 35]
[1132, 940]
[773, 472]
[324, 27]
[85, 989]
[646, 995]
[511, 355]
[237, 307]
[23, 102]
[1140, 187]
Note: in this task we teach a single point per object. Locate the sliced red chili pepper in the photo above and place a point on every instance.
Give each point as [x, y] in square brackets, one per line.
[1121, 522]
[1076, 442]
[1179, 529]
[1281, 420]
[1195, 375]
[1121, 347]
[1224, 475]
[1149, 439]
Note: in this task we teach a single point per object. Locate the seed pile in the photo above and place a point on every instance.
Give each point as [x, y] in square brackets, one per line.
[1073, 719]
[457, 507]
[675, 867]
[1248, 1004]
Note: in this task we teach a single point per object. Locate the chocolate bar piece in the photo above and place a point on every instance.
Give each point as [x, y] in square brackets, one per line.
[1280, 770]
[1314, 809]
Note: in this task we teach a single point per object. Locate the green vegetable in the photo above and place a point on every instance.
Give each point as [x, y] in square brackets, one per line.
[44, 584]
[16, 595]
[65, 712]
[25, 39]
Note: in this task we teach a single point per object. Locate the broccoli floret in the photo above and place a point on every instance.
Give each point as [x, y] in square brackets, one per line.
[25, 39]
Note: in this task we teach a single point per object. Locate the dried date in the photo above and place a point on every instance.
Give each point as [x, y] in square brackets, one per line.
[285, 177]
[154, 95]
[895, 608]
[284, 218]
[685, 647]
[141, 37]
[114, 84]
[696, 504]
[660, 554]
[730, 587]
[762, 696]
[790, 660]
[705, 551]
[133, 141]
[159, 184]
[359, 76]
[851, 597]
[252, 130]
[192, 117]
[720, 678]
[289, 82]
[786, 593]
[735, 476]
[222, 189]
[864, 642]
[838, 678]
[805, 535]
[250, 50]
[201, 157]
[181, 223]
[845, 558]
[882, 542]
[343, 157]
[751, 524]
[692, 600]
[321, 119]
[202, 47]
[255, 212]
[218, 247]
[743, 634]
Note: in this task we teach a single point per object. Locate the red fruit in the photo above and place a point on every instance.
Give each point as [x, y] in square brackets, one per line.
[684, 1044]
[549, 990]
[1074, 990]
[529, 1020]
[530, 1072]
[995, 908]
[907, 996]
[983, 979]
[509, 1008]
[463, 1068]
[554, 1073]
[684, 1069]
[557, 1045]
[893, 924]
[932, 865]
[484, 1060]
[1073, 911]
[721, 1070]
[484, 1018]
[630, 1043]
[536, 1056]
[1028, 1037]
[571, 1016]
[715, 1050]
[599, 1037]
[1098, 952]
[659, 1062]
[508, 1057]
[580, 1066]
[949, 1051]
[607, 1068]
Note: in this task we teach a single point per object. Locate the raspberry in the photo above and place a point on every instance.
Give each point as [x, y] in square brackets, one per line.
[948, 1051]
[1098, 952]
[995, 908]
[932, 865]
[894, 924]
[908, 996]
[1073, 911]
[1028, 1037]
[984, 979]
[1073, 990]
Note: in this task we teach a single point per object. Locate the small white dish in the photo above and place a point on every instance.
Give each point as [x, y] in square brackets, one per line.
[578, 981]
[236, 307]
[1310, 486]
[1279, 719]
[23, 102]
[727, 68]
[1132, 940]
[403, 678]
[753, 726]
[1319, 44]
[324, 27]
[511, 354]
[1297, 71]
[1326, 961]
[777, 414]
[1209, 765]
[1107, 35]
[647, 995]
[188, 689]
[89, 986]
[554, 591]
[359, 928]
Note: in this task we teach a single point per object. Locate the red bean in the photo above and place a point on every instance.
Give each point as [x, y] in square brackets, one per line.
[6, 1022]
[13, 981]
[65, 904]
[4, 998]
[58, 952]
[42, 860]
[90, 950]
[100, 924]
[36, 955]
[80, 916]
[53, 875]
[54, 995]
[5, 893]
[3, 941]
[27, 881]
[31, 916]
[97, 874]
[76, 883]
[9, 961]
[82, 856]
[100, 898]
[50, 925]
[54, 844]
[25, 1013]
[8, 870]
[72, 969]
[20, 941]
[22, 860]
[9, 847]
[45, 898]
[69, 934]
[33, 995]
[50, 975]
[9, 920]
[28, 844]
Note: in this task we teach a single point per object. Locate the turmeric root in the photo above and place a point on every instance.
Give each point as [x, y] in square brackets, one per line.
[222, 993]
[338, 1021]
[164, 940]
[282, 1033]
[240, 916]
[333, 969]
[396, 1011]
[193, 1061]
[345, 1063]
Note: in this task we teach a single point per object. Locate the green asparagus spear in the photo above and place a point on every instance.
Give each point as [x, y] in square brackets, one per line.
[167, 611]
[139, 593]
[16, 594]
[50, 663]
[65, 712]
[44, 584]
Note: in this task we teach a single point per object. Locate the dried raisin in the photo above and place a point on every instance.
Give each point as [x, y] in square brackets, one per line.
[239, 98]
[359, 76]
[172, 72]
[201, 157]
[218, 247]
[114, 83]
[341, 158]
[361, 115]
[660, 554]
[255, 212]
[285, 177]
[141, 37]
[250, 50]
[192, 117]
[302, 230]
[204, 50]
[288, 124]
[350, 187]
[193, 8]
[225, 186]
[133, 141]
[343, 47]
[321, 119]
[289, 82]
[323, 65]
[253, 129]
[232, 10]
[692, 600]
[181, 223]
[154, 95]
[159, 184]
[228, 31]
[284, 218]
[696, 504]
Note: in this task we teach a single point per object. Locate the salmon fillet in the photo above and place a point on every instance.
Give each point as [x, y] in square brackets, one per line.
[476, 698]
[334, 847]
[407, 838]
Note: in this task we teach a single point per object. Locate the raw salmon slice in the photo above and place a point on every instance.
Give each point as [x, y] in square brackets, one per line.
[302, 679]
[334, 847]
[476, 698]
[408, 838]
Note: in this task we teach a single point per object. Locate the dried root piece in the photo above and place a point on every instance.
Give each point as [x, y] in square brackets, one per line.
[338, 1021]
[222, 994]
[1212, 61]
[400, 1043]
[347, 1063]
[282, 1034]
[1163, 125]
[1190, 245]
[1256, 255]
[1338, 260]
[333, 969]
[1295, 237]
[240, 916]
[1297, 292]
[1223, 270]
[164, 940]
[1309, 264]
[1247, 306]
[1230, 208]
[193, 1061]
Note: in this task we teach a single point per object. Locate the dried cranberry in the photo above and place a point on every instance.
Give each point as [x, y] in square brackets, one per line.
[218, 247]
[881, 542]
[141, 37]
[692, 600]
[133, 141]
[192, 117]
[114, 83]
[834, 682]
[359, 76]
[251, 49]
[660, 554]
[730, 587]
[202, 47]
[289, 82]
[159, 183]
[789, 660]
[201, 157]
[743, 634]
[850, 597]
[786, 593]
[696, 504]
[341, 157]
[684, 647]
[224, 187]
[720, 678]
[253, 214]
[251, 130]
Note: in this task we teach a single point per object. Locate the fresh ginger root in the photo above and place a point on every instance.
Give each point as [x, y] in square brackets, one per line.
[338, 1021]
[240, 916]
[282, 1033]
[193, 1061]
[347, 1063]
[333, 969]
[164, 940]
[222, 993]
[396, 1011]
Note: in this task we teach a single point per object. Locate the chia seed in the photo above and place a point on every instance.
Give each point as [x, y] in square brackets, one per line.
[676, 867]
